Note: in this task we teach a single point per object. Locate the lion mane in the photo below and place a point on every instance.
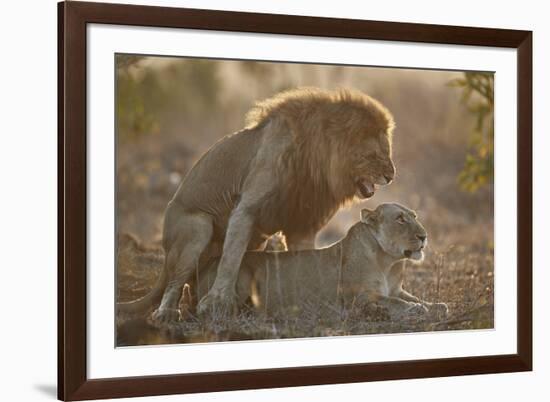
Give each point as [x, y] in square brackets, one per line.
[326, 126]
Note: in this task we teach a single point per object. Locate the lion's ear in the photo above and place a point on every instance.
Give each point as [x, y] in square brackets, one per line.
[368, 216]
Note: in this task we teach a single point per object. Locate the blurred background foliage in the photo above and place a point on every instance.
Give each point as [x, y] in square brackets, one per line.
[146, 98]
[171, 110]
[478, 95]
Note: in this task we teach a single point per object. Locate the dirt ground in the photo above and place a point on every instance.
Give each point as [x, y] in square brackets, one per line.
[461, 276]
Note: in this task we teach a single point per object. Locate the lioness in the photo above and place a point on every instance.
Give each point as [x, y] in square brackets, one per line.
[303, 154]
[357, 270]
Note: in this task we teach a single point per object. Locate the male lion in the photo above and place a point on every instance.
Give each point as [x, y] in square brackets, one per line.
[303, 154]
[359, 269]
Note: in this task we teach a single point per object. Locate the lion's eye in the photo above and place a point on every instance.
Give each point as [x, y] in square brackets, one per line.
[400, 219]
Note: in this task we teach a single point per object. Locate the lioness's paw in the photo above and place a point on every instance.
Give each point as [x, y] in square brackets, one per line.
[218, 304]
[438, 310]
[166, 315]
[416, 309]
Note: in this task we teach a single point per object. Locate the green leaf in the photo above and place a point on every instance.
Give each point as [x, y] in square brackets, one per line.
[477, 96]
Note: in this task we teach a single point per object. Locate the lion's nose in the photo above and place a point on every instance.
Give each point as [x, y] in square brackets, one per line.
[422, 238]
[390, 173]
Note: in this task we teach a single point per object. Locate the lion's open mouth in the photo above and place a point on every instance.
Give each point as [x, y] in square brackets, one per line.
[365, 188]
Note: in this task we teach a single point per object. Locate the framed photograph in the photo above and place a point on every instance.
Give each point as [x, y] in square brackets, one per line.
[253, 200]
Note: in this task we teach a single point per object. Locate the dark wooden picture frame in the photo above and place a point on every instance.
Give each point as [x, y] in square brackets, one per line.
[73, 383]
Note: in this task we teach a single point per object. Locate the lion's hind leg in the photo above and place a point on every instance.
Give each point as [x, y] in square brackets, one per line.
[182, 263]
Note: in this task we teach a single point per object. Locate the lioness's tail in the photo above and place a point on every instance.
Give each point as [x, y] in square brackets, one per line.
[153, 297]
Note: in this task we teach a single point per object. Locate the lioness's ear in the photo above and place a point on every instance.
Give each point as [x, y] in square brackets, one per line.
[368, 216]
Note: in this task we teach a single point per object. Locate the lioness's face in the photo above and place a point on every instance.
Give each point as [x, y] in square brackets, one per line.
[397, 230]
[372, 165]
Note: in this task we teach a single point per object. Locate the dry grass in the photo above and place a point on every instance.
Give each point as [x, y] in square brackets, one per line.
[461, 276]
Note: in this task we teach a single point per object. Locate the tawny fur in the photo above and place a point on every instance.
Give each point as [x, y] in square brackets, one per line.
[329, 130]
[358, 270]
[294, 165]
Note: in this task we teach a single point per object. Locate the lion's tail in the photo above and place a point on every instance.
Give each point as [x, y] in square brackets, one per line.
[144, 303]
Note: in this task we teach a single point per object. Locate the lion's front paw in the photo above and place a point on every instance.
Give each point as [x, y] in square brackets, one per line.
[218, 304]
[438, 310]
[166, 315]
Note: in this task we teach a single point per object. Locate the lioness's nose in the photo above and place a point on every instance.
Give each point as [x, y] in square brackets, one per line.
[421, 237]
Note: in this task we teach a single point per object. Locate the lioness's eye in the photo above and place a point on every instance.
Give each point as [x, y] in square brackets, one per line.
[400, 219]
